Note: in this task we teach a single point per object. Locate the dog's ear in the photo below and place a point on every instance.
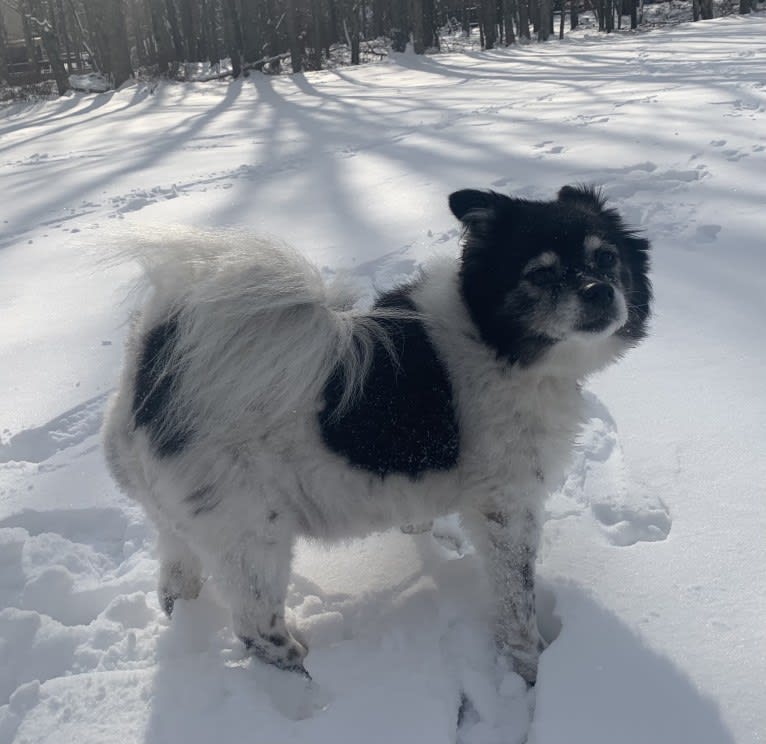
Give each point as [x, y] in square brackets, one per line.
[587, 197]
[470, 205]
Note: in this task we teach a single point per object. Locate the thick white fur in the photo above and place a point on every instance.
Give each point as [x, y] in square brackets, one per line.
[259, 333]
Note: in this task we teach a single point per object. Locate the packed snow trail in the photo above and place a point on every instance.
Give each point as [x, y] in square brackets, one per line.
[651, 567]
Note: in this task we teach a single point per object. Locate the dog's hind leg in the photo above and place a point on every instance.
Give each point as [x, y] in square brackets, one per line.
[180, 570]
[251, 561]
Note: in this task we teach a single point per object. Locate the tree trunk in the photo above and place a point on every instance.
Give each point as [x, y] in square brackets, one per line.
[34, 62]
[744, 6]
[524, 19]
[3, 50]
[508, 14]
[561, 20]
[706, 9]
[296, 53]
[465, 20]
[400, 25]
[61, 24]
[187, 29]
[42, 22]
[140, 29]
[316, 34]
[79, 36]
[116, 36]
[544, 24]
[430, 37]
[210, 22]
[574, 18]
[378, 17]
[695, 10]
[162, 41]
[634, 14]
[175, 34]
[488, 9]
[534, 15]
[351, 30]
[252, 22]
[232, 36]
[416, 20]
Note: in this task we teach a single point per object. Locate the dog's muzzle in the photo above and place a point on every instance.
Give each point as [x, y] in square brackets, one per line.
[598, 305]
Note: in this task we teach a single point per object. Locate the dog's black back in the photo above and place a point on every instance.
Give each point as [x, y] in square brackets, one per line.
[404, 421]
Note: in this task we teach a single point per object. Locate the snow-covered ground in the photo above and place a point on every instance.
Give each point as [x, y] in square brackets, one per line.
[654, 553]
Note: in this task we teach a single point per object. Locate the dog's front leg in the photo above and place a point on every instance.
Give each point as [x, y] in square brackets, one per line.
[510, 538]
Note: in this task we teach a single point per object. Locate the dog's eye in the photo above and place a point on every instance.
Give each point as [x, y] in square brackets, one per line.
[605, 259]
[543, 275]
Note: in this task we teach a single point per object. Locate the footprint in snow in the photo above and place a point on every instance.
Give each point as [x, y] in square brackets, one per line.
[598, 482]
[72, 564]
[72, 427]
[707, 233]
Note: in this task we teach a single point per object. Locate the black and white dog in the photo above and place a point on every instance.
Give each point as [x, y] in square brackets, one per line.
[257, 406]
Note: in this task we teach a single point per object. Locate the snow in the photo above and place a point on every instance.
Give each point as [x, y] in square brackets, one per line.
[92, 82]
[652, 561]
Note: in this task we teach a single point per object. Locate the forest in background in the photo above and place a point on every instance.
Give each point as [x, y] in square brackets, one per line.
[118, 38]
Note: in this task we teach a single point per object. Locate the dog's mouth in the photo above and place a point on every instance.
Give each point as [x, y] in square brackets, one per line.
[604, 319]
[598, 325]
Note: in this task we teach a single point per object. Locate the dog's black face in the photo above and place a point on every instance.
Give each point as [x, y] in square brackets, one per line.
[536, 273]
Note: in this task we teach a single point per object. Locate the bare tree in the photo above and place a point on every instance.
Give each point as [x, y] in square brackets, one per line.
[296, 50]
[488, 10]
[352, 29]
[63, 32]
[163, 43]
[524, 19]
[232, 35]
[252, 24]
[41, 19]
[544, 22]
[261, 34]
[509, 11]
[25, 11]
[3, 50]
[108, 37]
[316, 34]
[417, 30]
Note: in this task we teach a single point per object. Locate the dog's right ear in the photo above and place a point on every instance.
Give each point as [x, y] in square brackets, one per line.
[471, 206]
[583, 195]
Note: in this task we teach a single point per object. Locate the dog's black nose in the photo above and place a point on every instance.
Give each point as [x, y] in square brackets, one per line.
[599, 294]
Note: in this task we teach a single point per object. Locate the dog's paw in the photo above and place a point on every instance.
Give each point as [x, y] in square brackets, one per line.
[280, 650]
[521, 655]
[524, 662]
[176, 584]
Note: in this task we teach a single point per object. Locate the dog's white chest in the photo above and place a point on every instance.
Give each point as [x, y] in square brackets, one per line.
[517, 432]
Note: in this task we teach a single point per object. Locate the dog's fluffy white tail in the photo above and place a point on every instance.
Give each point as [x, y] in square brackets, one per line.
[257, 330]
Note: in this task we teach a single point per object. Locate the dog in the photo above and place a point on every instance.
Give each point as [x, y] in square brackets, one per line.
[258, 405]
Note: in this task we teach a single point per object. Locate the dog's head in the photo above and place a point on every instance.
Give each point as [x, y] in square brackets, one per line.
[565, 274]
